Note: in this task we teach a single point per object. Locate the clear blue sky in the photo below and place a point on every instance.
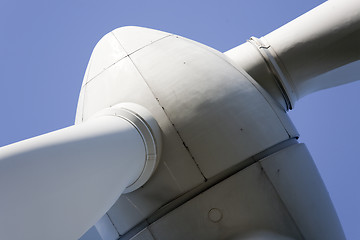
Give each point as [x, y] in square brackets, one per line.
[45, 47]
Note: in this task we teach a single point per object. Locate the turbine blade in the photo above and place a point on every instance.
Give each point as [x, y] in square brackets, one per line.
[57, 185]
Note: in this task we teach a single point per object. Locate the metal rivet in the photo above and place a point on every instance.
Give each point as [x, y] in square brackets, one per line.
[215, 215]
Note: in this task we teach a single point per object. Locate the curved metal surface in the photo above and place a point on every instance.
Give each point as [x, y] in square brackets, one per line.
[317, 42]
[72, 176]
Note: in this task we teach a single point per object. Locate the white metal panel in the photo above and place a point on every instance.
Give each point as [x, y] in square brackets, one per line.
[297, 181]
[247, 57]
[241, 206]
[134, 38]
[106, 229]
[95, 97]
[86, 75]
[221, 117]
[107, 52]
[275, 105]
[123, 83]
[144, 234]
[80, 106]
[174, 176]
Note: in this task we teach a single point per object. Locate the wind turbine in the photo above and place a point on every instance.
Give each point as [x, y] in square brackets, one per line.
[237, 150]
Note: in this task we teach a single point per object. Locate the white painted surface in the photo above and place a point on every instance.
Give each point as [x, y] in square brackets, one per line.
[296, 179]
[56, 186]
[212, 115]
[104, 55]
[144, 234]
[106, 229]
[144, 37]
[249, 206]
[319, 41]
[216, 110]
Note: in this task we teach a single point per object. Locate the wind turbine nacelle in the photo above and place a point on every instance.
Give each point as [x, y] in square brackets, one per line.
[175, 140]
[194, 92]
[215, 121]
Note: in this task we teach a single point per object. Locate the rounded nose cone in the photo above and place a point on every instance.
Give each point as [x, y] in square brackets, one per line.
[212, 115]
[217, 110]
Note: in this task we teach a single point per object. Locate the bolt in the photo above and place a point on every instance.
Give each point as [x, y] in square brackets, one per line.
[215, 215]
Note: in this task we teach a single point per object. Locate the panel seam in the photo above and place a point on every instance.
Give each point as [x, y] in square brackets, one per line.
[165, 112]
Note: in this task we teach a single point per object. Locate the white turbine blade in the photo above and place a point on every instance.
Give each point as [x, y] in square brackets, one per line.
[56, 186]
[286, 61]
[339, 76]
